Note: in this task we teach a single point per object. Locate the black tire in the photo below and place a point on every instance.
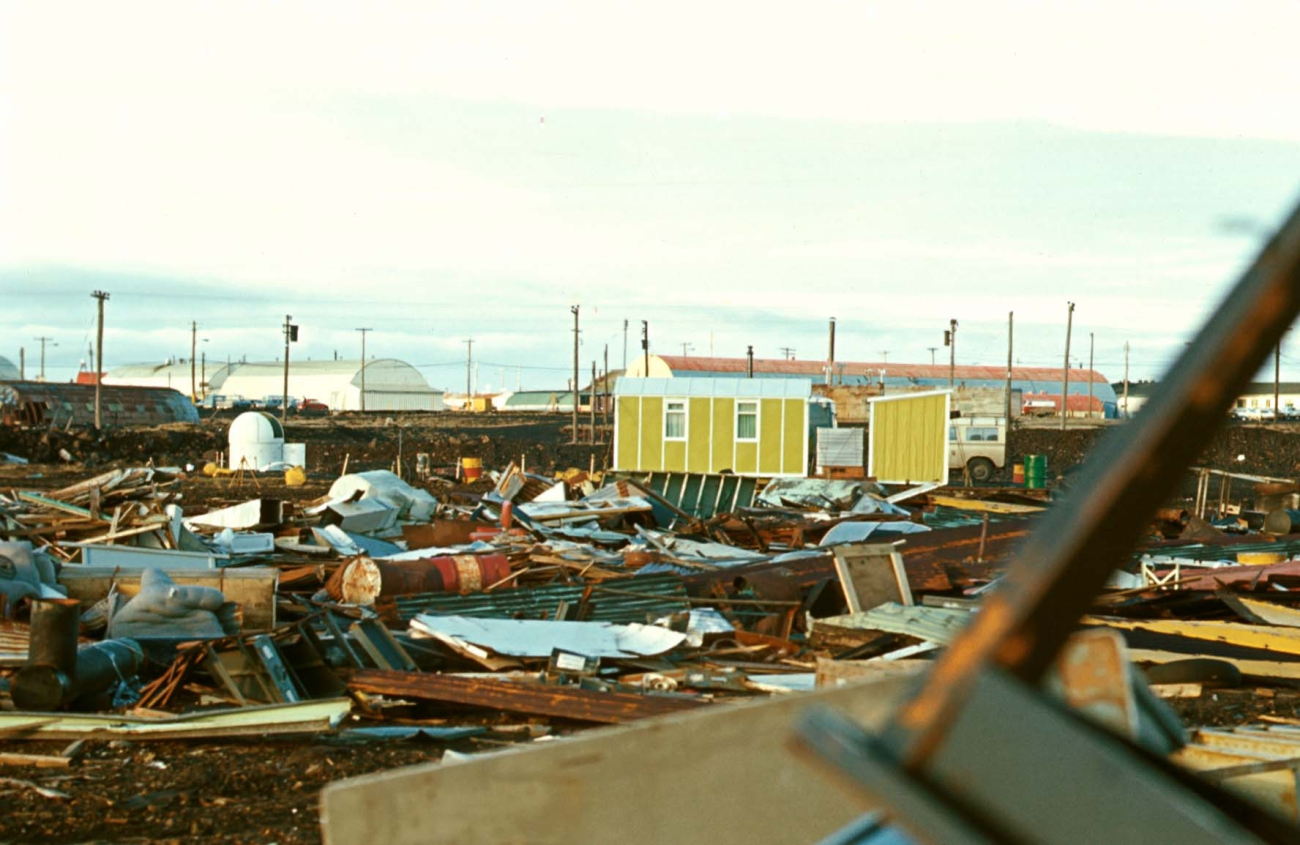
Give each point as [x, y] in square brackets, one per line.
[980, 470]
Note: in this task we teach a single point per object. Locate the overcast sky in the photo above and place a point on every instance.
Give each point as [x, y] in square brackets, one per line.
[734, 173]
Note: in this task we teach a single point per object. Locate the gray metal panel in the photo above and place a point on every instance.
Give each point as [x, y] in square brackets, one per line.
[840, 447]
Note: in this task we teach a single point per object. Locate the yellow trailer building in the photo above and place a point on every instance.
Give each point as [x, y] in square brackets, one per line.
[908, 442]
[745, 426]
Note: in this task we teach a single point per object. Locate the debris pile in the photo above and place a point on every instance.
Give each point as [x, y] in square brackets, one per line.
[531, 606]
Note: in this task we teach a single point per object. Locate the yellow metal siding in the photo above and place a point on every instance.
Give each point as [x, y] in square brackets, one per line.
[796, 441]
[747, 458]
[629, 410]
[724, 435]
[675, 455]
[652, 433]
[769, 437]
[909, 439]
[697, 458]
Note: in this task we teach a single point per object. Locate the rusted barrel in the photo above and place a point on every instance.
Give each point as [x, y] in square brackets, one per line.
[53, 638]
[362, 580]
[1282, 522]
[473, 468]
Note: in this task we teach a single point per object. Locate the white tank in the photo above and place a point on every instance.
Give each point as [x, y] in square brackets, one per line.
[256, 440]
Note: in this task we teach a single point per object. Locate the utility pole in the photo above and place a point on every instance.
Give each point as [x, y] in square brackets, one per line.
[591, 404]
[194, 348]
[469, 369]
[1065, 384]
[99, 359]
[787, 352]
[290, 334]
[950, 341]
[1011, 325]
[203, 372]
[604, 390]
[884, 356]
[645, 346]
[575, 310]
[1277, 381]
[1126, 379]
[933, 349]
[363, 366]
[1091, 348]
[43, 340]
[830, 355]
[22, 363]
[685, 349]
[625, 346]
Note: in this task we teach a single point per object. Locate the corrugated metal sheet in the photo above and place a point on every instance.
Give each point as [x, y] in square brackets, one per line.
[667, 592]
[840, 447]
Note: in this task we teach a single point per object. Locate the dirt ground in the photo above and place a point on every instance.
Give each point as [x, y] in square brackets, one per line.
[177, 792]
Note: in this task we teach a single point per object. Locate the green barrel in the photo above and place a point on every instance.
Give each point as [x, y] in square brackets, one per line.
[1036, 472]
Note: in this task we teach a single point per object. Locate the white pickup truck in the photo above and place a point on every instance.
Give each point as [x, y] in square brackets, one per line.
[977, 445]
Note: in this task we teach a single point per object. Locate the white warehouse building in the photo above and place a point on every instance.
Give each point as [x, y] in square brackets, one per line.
[391, 385]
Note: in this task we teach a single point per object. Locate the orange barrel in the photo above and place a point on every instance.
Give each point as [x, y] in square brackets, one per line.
[362, 580]
[1017, 473]
[473, 468]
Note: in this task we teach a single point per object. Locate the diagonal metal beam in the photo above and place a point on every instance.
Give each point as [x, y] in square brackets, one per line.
[1064, 563]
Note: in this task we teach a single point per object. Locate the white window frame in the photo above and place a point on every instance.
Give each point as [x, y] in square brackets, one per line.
[685, 411]
[758, 407]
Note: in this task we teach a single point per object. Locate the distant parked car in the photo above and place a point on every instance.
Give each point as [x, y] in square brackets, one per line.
[312, 408]
[239, 403]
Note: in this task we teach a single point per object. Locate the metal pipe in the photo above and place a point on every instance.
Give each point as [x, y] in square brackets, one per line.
[98, 667]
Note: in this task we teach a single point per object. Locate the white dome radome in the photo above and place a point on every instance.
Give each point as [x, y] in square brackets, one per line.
[255, 427]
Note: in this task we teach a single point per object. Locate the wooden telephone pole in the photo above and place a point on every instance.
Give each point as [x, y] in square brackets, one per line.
[101, 296]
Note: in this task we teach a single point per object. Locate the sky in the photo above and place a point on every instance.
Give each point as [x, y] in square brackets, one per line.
[734, 174]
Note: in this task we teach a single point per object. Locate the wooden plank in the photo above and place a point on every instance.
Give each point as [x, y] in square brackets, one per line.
[834, 673]
[1265, 612]
[980, 506]
[39, 761]
[272, 720]
[565, 702]
[653, 782]
[1271, 669]
[1280, 640]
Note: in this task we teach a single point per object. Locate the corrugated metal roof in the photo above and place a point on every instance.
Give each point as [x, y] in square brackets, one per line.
[817, 369]
[795, 388]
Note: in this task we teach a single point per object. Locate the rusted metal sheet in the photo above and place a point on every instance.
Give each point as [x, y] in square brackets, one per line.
[935, 562]
[441, 533]
[534, 699]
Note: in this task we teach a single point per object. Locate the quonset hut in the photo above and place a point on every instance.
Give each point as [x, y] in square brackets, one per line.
[44, 403]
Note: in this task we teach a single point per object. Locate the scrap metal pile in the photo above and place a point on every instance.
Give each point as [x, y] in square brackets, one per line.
[546, 605]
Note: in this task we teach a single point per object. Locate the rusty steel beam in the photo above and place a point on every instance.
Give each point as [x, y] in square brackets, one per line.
[1063, 565]
[563, 702]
